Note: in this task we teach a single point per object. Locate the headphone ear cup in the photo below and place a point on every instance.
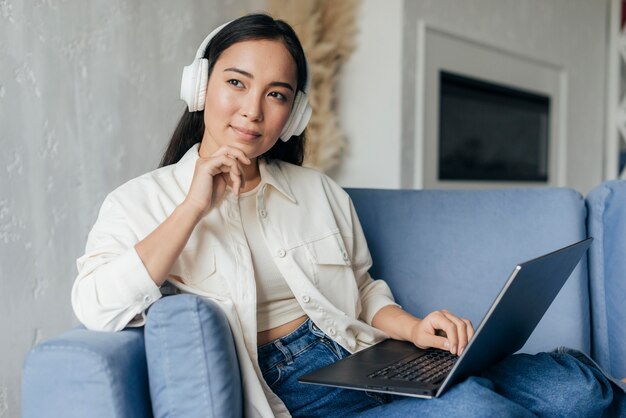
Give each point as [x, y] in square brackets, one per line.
[304, 119]
[298, 118]
[194, 83]
[203, 79]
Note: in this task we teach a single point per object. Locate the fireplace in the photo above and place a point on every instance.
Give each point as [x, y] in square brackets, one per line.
[491, 132]
[484, 116]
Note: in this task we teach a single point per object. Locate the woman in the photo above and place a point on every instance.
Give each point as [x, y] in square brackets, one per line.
[279, 247]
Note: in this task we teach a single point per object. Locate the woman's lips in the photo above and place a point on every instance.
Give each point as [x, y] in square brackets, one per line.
[246, 133]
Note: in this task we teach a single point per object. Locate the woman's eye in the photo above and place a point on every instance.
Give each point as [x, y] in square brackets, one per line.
[235, 83]
[278, 96]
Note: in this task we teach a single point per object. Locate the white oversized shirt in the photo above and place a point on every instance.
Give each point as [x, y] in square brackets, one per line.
[309, 225]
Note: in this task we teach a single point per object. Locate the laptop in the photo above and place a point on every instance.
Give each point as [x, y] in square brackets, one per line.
[400, 368]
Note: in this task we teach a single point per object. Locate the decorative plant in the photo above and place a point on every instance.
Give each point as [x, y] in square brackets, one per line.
[327, 30]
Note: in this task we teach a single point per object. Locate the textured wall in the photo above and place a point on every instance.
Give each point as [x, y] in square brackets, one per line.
[88, 98]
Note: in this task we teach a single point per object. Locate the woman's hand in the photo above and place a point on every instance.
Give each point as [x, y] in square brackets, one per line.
[210, 177]
[439, 329]
[444, 330]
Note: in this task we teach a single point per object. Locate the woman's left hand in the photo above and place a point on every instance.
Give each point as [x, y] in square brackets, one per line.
[444, 330]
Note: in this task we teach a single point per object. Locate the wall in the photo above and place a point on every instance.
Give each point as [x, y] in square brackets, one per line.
[88, 96]
[377, 104]
[369, 99]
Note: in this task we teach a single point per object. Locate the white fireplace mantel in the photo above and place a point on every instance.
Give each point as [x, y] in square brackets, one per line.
[441, 49]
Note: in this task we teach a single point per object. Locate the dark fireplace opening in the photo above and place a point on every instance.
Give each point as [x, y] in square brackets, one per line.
[491, 132]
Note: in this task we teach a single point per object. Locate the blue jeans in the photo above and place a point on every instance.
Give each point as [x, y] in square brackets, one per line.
[556, 384]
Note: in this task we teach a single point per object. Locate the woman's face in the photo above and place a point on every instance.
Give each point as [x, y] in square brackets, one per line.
[249, 96]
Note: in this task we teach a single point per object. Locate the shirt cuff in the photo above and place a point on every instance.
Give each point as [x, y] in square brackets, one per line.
[137, 280]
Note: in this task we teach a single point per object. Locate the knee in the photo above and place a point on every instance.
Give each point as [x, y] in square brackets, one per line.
[581, 389]
[552, 384]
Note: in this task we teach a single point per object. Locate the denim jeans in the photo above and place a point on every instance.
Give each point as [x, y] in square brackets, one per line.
[556, 384]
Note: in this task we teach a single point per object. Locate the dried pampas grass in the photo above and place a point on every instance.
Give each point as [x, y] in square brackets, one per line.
[327, 30]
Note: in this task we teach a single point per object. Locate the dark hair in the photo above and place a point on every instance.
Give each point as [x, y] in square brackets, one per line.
[190, 128]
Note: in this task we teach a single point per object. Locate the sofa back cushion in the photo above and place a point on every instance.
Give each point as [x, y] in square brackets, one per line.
[607, 274]
[455, 249]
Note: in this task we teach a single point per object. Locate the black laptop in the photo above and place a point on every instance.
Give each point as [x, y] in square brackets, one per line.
[399, 367]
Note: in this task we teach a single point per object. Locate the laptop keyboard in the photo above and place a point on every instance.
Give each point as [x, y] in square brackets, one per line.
[428, 368]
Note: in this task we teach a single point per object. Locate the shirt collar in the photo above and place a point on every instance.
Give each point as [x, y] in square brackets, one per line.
[271, 174]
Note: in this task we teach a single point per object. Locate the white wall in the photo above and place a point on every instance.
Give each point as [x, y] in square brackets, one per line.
[568, 33]
[88, 97]
[370, 99]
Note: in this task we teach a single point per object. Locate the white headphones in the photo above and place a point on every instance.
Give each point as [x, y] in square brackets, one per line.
[194, 84]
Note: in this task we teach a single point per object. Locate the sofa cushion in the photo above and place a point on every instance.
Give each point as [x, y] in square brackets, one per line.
[191, 356]
[607, 223]
[455, 249]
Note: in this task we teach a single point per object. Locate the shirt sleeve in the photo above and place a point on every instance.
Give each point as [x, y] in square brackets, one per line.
[373, 294]
[113, 287]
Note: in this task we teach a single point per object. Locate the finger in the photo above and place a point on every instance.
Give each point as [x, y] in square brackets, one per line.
[240, 156]
[233, 153]
[461, 332]
[222, 164]
[439, 330]
[228, 164]
[236, 179]
[236, 175]
[435, 341]
[440, 321]
[470, 329]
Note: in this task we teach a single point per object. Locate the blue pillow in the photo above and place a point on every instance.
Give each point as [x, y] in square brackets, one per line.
[192, 362]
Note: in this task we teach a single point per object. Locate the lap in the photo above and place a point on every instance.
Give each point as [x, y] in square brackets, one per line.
[522, 385]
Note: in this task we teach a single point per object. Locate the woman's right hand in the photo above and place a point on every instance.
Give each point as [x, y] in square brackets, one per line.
[444, 330]
[210, 178]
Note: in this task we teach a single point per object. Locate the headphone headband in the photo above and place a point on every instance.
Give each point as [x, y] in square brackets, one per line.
[205, 43]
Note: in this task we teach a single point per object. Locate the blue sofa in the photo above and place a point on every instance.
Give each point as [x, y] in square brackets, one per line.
[436, 249]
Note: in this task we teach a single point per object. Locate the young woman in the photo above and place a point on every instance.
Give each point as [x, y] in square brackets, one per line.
[231, 215]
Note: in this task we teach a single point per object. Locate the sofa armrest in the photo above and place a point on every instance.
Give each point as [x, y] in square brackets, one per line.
[606, 222]
[84, 373]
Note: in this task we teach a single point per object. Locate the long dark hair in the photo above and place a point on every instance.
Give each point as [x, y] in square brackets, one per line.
[190, 128]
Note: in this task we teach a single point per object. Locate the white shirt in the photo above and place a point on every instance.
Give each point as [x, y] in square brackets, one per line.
[275, 302]
[310, 227]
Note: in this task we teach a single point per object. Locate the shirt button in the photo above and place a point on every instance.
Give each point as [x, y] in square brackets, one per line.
[345, 255]
[147, 299]
[282, 253]
[306, 299]
[263, 213]
[332, 331]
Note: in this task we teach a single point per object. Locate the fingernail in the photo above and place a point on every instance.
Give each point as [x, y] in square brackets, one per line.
[461, 350]
[446, 344]
[453, 351]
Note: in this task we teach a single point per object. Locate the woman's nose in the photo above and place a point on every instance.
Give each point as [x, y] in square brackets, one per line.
[252, 108]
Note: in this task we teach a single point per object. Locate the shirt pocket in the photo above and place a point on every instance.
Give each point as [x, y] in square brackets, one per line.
[329, 258]
[201, 270]
[332, 271]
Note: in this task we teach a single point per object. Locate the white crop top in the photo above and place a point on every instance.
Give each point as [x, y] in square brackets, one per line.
[276, 304]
